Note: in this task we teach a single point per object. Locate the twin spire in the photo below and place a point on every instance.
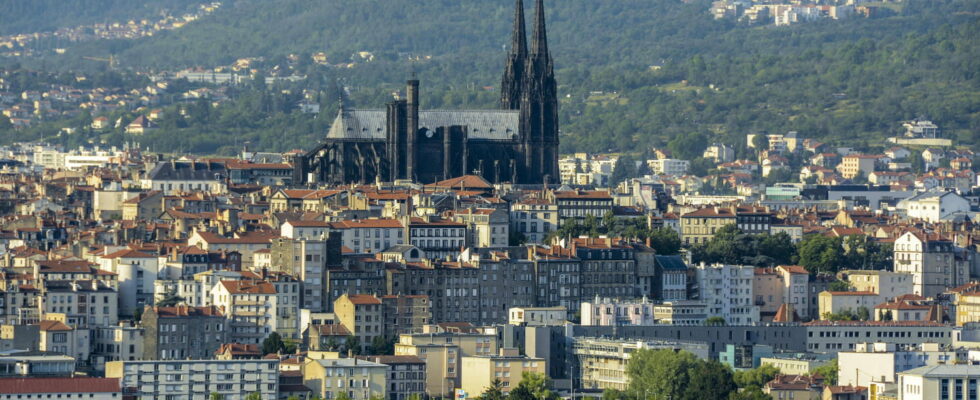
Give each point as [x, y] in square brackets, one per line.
[516, 70]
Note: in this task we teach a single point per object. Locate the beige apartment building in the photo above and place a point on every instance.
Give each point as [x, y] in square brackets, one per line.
[362, 315]
[354, 378]
[886, 283]
[508, 366]
[443, 353]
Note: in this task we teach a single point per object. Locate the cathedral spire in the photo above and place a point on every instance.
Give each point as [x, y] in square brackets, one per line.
[512, 84]
[518, 41]
[539, 40]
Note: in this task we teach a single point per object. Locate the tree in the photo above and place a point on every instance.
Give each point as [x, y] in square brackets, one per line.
[714, 321]
[756, 377]
[842, 315]
[353, 344]
[382, 346]
[216, 396]
[138, 314]
[828, 372]
[538, 385]
[521, 393]
[839, 286]
[170, 299]
[665, 241]
[752, 393]
[494, 391]
[710, 380]
[760, 142]
[820, 253]
[613, 394]
[862, 313]
[273, 344]
[254, 396]
[624, 169]
[5, 123]
[663, 372]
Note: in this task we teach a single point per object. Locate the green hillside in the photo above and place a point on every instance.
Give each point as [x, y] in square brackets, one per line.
[849, 81]
[28, 16]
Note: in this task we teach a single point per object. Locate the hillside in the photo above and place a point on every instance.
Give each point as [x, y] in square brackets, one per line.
[849, 81]
[29, 16]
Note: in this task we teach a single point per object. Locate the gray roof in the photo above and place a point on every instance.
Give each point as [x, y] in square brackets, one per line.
[674, 263]
[954, 370]
[187, 171]
[482, 124]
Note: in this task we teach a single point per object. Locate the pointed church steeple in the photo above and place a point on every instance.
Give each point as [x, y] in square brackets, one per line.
[512, 83]
[539, 40]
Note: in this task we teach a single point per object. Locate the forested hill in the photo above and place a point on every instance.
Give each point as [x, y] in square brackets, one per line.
[849, 81]
[29, 16]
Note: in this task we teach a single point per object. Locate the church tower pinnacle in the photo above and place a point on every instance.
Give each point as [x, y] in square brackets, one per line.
[512, 84]
[539, 106]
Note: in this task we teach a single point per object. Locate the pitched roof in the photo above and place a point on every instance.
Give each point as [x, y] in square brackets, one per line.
[59, 385]
[186, 311]
[482, 124]
[465, 181]
[50, 325]
[249, 287]
[363, 299]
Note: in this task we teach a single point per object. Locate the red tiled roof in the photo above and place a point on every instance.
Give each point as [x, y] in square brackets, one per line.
[363, 299]
[49, 325]
[465, 181]
[185, 311]
[59, 385]
[249, 287]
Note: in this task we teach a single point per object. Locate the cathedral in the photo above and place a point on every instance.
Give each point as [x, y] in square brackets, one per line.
[517, 143]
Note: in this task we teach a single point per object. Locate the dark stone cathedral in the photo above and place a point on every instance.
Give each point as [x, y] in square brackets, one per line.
[517, 143]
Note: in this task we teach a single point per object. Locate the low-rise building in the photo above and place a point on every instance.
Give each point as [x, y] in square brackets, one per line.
[880, 362]
[509, 366]
[938, 382]
[602, 362]
[538, 316]
[406, 375]
[196, 379]
[355, 379]
[70, 387]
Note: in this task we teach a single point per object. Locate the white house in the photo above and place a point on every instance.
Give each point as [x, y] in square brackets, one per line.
[935, 206]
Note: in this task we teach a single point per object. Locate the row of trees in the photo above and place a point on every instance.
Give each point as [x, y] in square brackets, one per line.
[664, 240]
[818, 253]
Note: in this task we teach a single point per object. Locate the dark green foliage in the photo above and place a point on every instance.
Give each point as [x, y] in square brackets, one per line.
[820, 253]
[677, 375]
[715, 321]
[756, 377]
[382, 346]
[273, 344]
[494, 391]
[828, 372]
[839, 286]
[850, 80]
[170, 299]
[28, 16]
[730, 246]
[665, 241]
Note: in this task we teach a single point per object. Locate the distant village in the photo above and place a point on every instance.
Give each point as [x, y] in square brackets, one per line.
[797, 11]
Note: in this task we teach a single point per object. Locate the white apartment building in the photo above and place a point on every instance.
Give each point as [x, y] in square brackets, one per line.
[669, 166]
[934, 206]
[939, 382]
[369, 235]
[931, 262]
[880, 362]
[136, 272]
[727, 292]
[885, 283]
[534, 218]
[616, 312]
[251, 306]
[197, 379]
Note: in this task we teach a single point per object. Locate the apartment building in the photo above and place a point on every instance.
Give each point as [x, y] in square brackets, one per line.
[362, 315]
[508, 367]
[437, 237]
[538, 316]
[196, 379]
[602, 362]
[251, 307]
[488, 227]
[618, 312]
[70, 387]
[183, 332]
[835, 336]
[698, 227]
[405, 314]
[726, 290]
[348, 377]
[931, 261]
[854, 165]
[534, 218]
[885, 283]
[85, 303]
[881, 362]
[835, 302]
[442, 353]
[406, 375]
[939, 382]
